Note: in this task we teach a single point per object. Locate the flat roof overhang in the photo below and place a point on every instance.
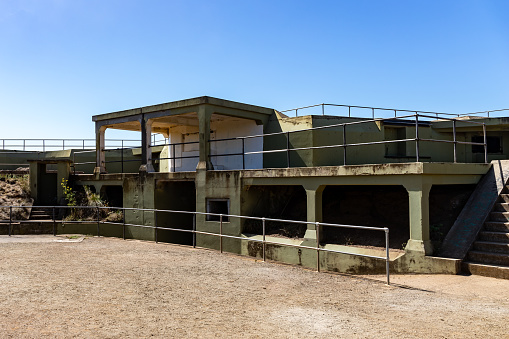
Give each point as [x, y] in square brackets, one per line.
[165, 114]
[463, 125]
[379, 174]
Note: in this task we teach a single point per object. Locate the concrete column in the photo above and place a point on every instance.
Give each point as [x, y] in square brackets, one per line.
[63, 171]
[146, 150]
[34, 178]
[204, 114]
[418, 204]
[314, 208]
[100, 165]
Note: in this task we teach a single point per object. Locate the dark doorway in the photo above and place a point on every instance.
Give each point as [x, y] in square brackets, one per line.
[378, 206]
[176, 196]
[278, 202]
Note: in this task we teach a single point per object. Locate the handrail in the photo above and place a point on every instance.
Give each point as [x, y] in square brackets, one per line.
[395, 110]
[221, 235]
[344, 144]
[42, 145]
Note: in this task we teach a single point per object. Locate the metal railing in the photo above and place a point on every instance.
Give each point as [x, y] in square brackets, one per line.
[416, 120]
[43, 145]
[221, 235]
[373, 111]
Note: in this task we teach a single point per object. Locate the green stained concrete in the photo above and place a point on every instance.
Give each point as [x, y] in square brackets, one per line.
[313, 169]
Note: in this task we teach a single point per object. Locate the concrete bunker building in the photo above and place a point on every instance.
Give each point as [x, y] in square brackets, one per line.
[415, 172]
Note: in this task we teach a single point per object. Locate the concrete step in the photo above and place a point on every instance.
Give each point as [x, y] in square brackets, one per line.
[494, 236]
[494, 271]
[488, 258]
[491, 247]
[496, 226]
[502, 207]
[499, 216]
[504, 197]
[41, 213]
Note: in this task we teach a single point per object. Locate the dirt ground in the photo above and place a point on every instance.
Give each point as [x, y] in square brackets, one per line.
[111, 288]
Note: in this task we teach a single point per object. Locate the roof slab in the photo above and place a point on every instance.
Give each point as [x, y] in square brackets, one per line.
[186, 109]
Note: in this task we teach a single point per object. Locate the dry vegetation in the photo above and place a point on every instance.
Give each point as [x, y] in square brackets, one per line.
[14, 191]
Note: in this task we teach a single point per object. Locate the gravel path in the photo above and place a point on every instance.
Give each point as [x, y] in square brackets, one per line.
[112, 288]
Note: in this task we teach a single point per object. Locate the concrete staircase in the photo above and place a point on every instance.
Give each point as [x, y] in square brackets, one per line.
[489, 255]
[41, 214]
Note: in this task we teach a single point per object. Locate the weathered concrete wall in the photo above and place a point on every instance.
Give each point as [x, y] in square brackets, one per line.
[218, 185]
[139, 193]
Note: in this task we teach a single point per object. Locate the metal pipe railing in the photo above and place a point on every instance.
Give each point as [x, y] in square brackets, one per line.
[395, 110]
[418, 124]
[221, 234]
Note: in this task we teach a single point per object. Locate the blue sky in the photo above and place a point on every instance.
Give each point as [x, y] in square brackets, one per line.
[62, 61]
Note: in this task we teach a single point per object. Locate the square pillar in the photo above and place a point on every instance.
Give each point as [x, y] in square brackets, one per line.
[314, 209]
[146, 150]
[100, 163]
[418, 204]
[204, 115]
[63, 172]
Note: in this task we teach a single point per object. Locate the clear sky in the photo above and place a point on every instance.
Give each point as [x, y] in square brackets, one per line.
[62, 61]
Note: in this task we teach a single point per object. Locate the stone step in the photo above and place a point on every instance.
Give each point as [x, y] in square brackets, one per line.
[494, 236]
[496, 226]
[488, 258]
[494, 271]
[491, 247]
[502, 207]
[499, 216]
[504, 198]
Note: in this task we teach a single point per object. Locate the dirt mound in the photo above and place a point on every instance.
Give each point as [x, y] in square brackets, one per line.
[14, 191]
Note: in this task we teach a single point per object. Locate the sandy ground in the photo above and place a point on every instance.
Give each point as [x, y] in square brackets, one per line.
[112, 288]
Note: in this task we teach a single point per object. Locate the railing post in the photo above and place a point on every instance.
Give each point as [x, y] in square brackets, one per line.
[54, 223]
[454, 137]
[417, 137]
[373, 113]
[263, 239]
[123, 223]
[323, 109]
[387, 260]
[155, 224]
[221, 233]
[83, 144]
[317, 228]
[10, 220]
[485, 143]
[349, 111]
[173, 155]
[344, 145]
[395, 114]
[122, 157]
[243, 155]
[296, 113]
[23, 144]
[43, 146]
[288, 149]
[98, 231]
[194, 230]
[63, 144]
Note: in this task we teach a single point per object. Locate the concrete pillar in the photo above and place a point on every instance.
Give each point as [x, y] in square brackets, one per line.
[34, 177]
[63, 171]
[100, 165]
[314, 208]
[204, 115]
[418, 204]
[146, 150]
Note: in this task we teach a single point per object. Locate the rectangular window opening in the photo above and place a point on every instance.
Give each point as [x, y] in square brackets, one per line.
[218, 206]
[494, 144]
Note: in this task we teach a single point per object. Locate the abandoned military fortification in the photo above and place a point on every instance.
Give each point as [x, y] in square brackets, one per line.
[323, 186]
